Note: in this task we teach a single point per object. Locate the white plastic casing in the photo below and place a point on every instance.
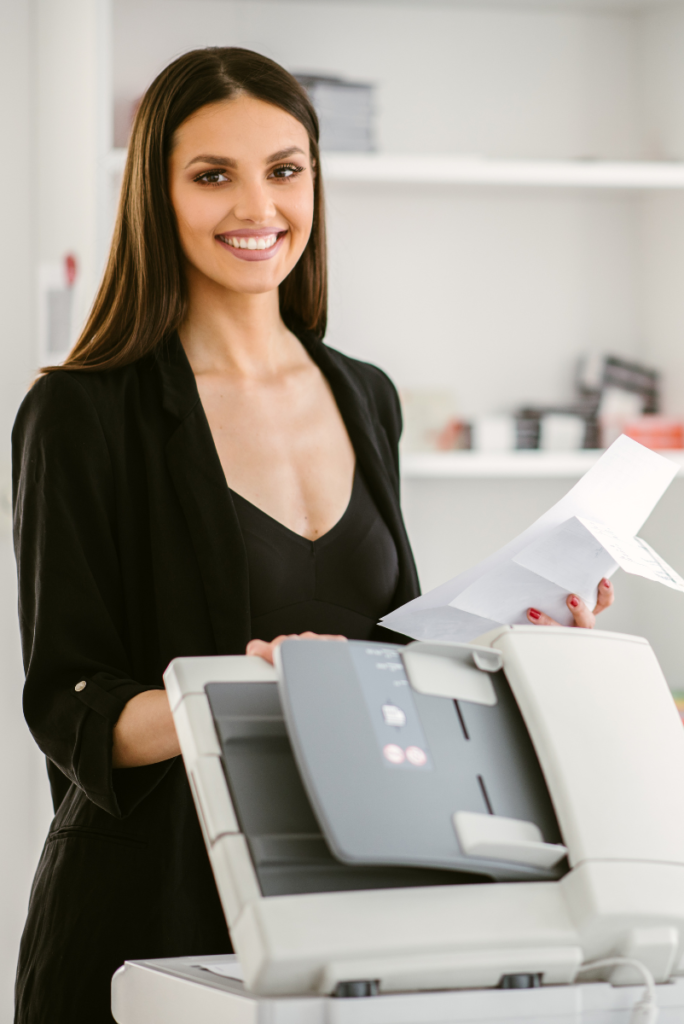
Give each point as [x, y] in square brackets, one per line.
[611, 746]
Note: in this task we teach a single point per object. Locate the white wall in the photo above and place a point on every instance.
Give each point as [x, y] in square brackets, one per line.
[23, 783]
[499, 291]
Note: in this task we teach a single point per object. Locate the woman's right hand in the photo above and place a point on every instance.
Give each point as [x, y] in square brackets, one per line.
[265, 650]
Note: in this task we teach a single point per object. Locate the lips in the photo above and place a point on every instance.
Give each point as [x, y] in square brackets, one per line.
[258, 244]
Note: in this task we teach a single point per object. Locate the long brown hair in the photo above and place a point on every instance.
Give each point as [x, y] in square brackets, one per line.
[142, 297]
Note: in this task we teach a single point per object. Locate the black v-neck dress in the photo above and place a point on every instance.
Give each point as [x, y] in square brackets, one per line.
[343, 582]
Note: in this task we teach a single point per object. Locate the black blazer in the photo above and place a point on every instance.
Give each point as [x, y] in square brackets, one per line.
[130, 554]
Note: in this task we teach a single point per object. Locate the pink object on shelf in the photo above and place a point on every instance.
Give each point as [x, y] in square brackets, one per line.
[70, 268]
[656, 432]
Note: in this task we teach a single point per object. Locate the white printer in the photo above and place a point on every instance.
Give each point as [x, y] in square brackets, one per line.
[437, 832]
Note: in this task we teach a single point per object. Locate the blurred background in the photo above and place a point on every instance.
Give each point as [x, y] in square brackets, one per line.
[505, 186]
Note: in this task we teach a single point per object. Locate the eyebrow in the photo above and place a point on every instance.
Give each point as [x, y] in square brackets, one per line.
[226, 161]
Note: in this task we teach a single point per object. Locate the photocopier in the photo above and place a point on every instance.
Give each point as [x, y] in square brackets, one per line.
[436, 833]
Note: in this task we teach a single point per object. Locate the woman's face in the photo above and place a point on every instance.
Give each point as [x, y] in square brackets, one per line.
[242, 188]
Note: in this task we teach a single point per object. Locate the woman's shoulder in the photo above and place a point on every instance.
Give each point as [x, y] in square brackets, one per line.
[368, 374]
[66, 394]
[375, 384]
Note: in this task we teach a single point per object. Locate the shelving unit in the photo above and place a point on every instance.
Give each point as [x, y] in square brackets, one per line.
[516, 465]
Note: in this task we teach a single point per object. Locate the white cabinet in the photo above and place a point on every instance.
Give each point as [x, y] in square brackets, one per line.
[526, 203]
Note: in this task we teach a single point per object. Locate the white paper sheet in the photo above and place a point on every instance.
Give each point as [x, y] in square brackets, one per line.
[618, 493]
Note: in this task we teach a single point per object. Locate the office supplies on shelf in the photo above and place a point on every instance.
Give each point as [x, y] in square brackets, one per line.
[430, 421]
[656, 432]
[615, 496]
[493, 433]
[345, 111]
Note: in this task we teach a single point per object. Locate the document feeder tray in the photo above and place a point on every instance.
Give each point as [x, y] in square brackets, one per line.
[324, 809]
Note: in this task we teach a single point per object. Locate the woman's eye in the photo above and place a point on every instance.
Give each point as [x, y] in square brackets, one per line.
[212, 178]
[286, 171]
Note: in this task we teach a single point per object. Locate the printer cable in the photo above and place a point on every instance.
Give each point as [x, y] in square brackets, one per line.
[646, 1010]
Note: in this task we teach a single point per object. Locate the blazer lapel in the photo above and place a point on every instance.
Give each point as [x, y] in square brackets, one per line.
[375, 457]
[200, 484]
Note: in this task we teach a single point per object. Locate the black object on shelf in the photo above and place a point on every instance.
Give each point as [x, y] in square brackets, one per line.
[597, 373]
[528, 421]
[345, 111]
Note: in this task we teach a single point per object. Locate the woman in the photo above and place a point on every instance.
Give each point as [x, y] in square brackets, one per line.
[201, 476]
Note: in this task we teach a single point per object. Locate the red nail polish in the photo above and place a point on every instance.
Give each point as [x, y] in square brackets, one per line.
[606, 583]
[534, 614]
[574, 602]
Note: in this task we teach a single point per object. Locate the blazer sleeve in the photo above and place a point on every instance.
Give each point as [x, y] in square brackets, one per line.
[71, 606]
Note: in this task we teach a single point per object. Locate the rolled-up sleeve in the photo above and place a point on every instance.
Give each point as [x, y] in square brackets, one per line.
[71, 599]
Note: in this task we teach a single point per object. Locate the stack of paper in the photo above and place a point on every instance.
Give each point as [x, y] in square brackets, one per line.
[587, 535]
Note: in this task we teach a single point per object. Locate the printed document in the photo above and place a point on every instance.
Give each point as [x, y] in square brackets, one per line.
[587, 535]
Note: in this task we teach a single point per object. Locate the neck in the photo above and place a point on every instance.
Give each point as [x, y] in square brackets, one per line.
[236, 333]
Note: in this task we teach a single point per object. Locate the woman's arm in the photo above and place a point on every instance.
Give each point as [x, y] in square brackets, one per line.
[79, 677]
[144, 733]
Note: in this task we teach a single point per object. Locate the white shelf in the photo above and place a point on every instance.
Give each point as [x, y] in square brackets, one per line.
[501, 465]
[389, 168]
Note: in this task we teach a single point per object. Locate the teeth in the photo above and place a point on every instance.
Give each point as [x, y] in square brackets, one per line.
[251, 241]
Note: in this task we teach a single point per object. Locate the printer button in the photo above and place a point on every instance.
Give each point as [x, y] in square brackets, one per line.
[393, 715]
[393, 753]
[416, 756]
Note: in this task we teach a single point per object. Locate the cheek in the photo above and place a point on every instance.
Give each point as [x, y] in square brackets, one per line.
[301, 213]
[196, 218]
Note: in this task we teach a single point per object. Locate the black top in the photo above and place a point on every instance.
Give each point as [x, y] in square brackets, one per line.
[130, 554]
[341, 582]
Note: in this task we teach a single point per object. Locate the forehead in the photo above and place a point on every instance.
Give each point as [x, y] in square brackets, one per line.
[243, 128]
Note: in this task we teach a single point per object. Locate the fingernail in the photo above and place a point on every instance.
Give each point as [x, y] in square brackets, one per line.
[574, 602]
[534, 614]
[606, 583]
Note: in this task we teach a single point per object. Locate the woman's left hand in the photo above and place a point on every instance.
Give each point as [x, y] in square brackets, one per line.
[264, 649]
[584, 618]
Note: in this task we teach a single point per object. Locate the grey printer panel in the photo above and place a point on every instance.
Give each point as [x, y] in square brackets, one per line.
[386, 768]
[289, 852]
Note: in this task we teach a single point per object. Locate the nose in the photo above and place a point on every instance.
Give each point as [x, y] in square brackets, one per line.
[254, 203]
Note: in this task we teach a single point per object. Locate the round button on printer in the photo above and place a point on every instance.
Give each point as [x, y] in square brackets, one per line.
[393, 753]
[416, 756]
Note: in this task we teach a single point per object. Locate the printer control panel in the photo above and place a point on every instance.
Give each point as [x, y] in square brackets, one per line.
[401, 740]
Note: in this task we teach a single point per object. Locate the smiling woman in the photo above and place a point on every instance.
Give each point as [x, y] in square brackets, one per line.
[201, 476]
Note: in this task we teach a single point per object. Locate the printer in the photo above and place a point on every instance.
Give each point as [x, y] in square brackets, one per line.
[437, 832]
